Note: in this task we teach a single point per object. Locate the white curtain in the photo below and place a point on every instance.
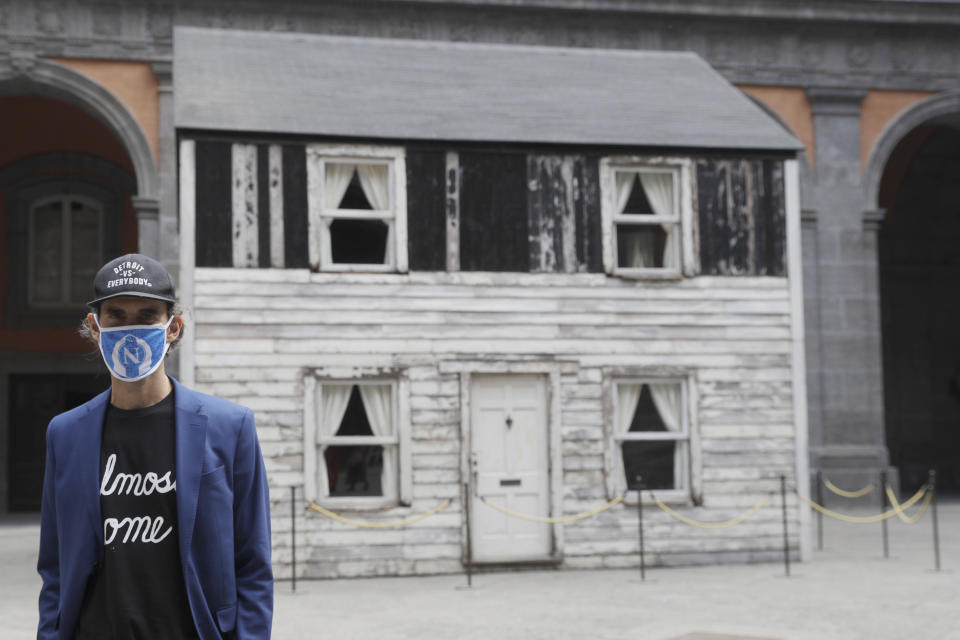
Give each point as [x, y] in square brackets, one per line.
[628, 396]
[335, 400]
[375, 181]
[377, 402]
[668, 399]
[336, 179]
[640, 249]
[624, 187]
[659, 190]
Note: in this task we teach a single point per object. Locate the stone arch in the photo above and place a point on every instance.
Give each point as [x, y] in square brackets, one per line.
[943, 104]
[26, 74]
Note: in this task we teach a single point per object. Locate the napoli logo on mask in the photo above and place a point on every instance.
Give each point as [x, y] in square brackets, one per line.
[135, 351]
[132, 357]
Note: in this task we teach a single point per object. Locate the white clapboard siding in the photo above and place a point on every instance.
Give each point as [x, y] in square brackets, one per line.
[260, 331]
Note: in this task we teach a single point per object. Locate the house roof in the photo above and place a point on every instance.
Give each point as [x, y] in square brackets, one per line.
[233, 80]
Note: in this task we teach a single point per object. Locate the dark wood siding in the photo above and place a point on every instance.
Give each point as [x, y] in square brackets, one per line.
[493, 212]
[295, 217]
[263, 205]
[426, 205]
[564, 213]
[742, 217]
[213, 201]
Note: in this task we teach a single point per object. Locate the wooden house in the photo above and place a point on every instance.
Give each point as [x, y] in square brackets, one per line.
[540, 277]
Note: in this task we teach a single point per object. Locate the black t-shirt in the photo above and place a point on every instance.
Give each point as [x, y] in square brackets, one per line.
[138, 592]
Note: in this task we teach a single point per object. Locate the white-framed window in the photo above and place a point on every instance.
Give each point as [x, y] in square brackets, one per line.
[651, 436]
[65, 249]
[646, 212]
[357, 203]
[356, 443]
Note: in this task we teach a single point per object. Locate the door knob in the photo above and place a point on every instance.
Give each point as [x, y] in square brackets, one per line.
[509, 422]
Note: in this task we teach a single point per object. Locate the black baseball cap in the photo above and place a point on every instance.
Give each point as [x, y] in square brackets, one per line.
[133, 275]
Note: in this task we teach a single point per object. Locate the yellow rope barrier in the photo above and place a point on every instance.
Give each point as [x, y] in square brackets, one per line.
[378, 525]
[843, 493]
[863, 519]
[899, 508]
[556, 520]
[715, 525]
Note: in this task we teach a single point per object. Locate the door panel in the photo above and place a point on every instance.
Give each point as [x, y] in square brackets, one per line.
[509, 426]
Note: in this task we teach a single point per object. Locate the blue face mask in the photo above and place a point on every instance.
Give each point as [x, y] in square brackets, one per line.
[134, 351]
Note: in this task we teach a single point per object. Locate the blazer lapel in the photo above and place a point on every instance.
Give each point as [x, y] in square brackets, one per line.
[89, 433]
[191, 430]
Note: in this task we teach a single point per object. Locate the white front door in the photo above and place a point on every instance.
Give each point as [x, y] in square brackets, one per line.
[509, 434]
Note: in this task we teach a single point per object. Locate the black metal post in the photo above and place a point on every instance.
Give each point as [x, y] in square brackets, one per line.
[643, 567]
[466, 512]
[883, 508]
[786, 539]
[936, 527]
[819, 514]
[293, 538]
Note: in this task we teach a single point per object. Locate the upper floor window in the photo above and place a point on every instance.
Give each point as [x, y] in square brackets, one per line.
[65, 249]
[357, 202]
[643, 214]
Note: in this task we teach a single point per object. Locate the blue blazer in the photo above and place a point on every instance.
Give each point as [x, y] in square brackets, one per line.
[223, 510]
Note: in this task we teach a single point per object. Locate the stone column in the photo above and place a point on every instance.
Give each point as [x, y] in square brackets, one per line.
[852, 448]
[811, 312]
[147, 211]
[169, 236]
[167, 168]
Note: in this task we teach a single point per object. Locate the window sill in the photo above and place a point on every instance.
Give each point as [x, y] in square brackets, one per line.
[671, 497]
[367, 505]
[358, 268]
[647, 274]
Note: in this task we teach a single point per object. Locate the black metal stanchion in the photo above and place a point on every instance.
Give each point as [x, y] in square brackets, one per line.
[883, 508]
[819, 514]
[293, 538]
[466, 513]
[643, 568]
[933, 512]
[786, 539]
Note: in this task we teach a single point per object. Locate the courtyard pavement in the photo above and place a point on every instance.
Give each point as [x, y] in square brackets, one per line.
[847, 592]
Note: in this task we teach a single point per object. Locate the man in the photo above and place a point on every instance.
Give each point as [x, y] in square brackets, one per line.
[155, 518]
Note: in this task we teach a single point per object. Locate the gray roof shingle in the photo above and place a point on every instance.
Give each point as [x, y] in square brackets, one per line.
[429, 90]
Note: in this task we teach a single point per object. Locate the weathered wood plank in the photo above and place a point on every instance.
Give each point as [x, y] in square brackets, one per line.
[703, 282]
[245, 228]
[505, 305]
[454, 180]
[501, 345]
[550, 213]
[742, 220]
[293, 283]
[277, 242]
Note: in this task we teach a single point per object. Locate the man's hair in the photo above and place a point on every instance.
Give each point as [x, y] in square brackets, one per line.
[173, 310]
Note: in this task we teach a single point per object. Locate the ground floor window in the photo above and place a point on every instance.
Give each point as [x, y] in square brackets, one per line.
[353, 439]
[651, 435]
